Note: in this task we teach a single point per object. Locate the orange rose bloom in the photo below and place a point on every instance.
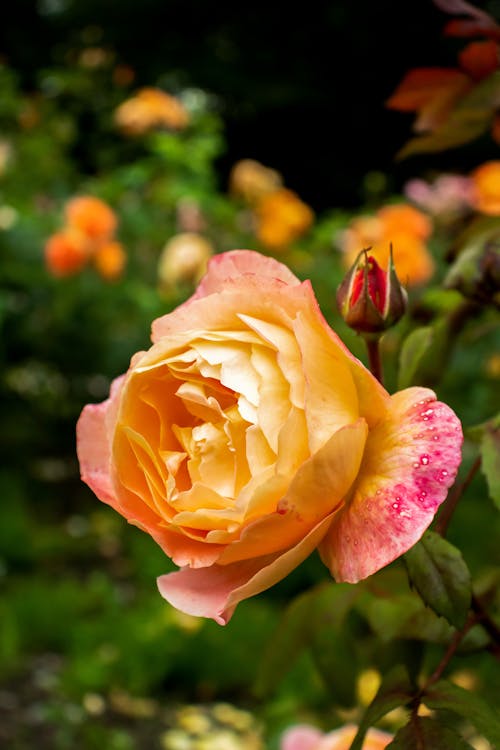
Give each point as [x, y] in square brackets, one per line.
[248, 435]
[486, 182]
[403, 226]
[282, 218]
[91, 216]
[151, 108]
[66, 253]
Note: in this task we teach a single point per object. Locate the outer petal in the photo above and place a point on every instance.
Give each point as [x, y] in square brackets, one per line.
[410, 461]
[93, 443]
[237, 263]
[215, 591]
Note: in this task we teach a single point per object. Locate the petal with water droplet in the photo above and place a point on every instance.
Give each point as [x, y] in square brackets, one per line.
[393, 500]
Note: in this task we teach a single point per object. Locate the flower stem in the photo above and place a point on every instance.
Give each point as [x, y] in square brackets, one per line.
[374, 359]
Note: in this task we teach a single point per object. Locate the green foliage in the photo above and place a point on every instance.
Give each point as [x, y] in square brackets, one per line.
[441, 577]
[444, 695]
[394, 691]
[490, 454]
[427, 734]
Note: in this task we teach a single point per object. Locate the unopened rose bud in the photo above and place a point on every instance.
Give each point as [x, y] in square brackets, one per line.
[370, 299]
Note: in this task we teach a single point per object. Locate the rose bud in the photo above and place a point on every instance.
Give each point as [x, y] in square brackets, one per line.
[370, 299]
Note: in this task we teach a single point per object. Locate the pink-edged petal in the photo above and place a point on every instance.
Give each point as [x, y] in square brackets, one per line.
[300, 737]
[235, 263]
[411, 459]
[215, 591]
[93, 444]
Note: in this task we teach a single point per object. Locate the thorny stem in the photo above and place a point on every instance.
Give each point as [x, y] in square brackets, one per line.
[374, 359]
[453, 498]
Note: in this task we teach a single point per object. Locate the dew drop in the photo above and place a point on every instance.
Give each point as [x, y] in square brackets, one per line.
[395, 506]
[416, 465]
[424, 459]
[378, 492]
[435, 437]
[356, 542]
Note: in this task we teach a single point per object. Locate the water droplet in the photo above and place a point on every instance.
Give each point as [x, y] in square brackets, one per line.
[416, 465]
[435, 437]
[395, 506]
[356, 542]
[378, 492]
[398, 499]
[444, 473]
[424, 459]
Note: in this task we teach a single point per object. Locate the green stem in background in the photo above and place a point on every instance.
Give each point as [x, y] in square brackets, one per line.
[451, 502]
[373, 347]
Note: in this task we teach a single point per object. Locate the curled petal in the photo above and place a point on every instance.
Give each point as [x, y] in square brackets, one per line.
[216, 590]
[410, 461]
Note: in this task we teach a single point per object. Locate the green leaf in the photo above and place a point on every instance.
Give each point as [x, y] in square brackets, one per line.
[412, 351]
[394, 691]
[336, 658]
[490, 455]
[469, 119]
[438, 572]
[312, 620]
[446, 696]
[427, 734]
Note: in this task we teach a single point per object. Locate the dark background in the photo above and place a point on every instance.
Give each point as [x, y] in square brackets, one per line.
[300, 88]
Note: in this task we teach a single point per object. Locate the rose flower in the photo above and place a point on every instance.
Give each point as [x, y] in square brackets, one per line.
[248, 435]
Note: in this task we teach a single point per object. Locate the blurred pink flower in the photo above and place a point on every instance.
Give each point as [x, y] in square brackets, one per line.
[305, 737]
[448, 195]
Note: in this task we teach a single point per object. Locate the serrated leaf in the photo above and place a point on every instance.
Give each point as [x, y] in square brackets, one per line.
[446, 696]
[490, 455]
[394, 691]
[412, 351]
[427, 734]
[323, 608]
[438, 572]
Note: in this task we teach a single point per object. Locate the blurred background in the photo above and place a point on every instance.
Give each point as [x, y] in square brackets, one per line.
[89, 653]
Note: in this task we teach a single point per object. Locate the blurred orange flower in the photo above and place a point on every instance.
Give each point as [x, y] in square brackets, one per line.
[91, 216]
[66, 253]
[486, 186]
[251, 180]
[282, 218]
[151, 108]
[87, 236]
[110, 260]
[401, 225]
